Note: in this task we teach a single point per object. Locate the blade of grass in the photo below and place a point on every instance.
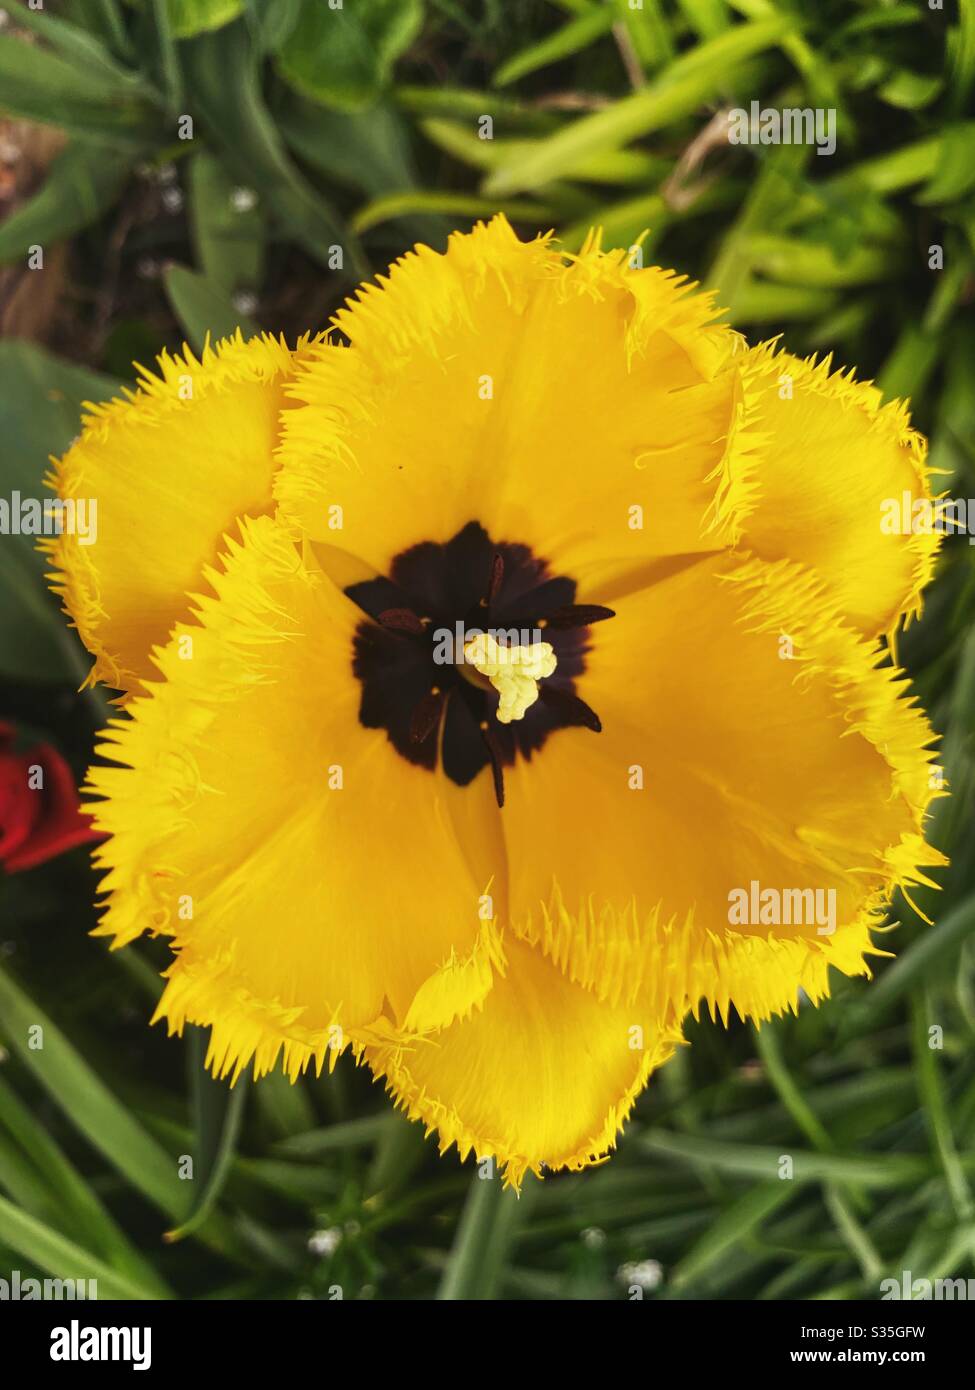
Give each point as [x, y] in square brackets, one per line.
[735, 1224]
[579, 33]
[463, 205]
[678, 92]
[89, 1104]
[88, 1219]
[476, 1241]
[218, 1113]
[62, 1258]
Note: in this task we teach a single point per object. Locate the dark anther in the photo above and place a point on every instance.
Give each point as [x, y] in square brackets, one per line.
[571, 709]
[497, 768]
[401, 620]
[578, 615]
[426, 715]
[497, 576]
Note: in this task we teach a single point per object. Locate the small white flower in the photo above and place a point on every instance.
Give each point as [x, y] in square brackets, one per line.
[245, 301]
[243, 199]
[325, 1243]
[646, 1274]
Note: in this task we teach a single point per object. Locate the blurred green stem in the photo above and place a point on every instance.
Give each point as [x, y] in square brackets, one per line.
[487, 1226]
[170, 61]
[115, 26]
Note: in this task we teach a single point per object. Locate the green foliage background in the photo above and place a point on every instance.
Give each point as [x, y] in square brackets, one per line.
[316, 128]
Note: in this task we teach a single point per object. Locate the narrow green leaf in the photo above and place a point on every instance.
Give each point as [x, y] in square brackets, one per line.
[81, 1213]
[40, 408]
[45, 87]
[226, 81]
[62, 1258]
[364, 1132]
[954, 174]
[934, 1101]
[796, 262]
[736, 1223]
[689, 81]
[218, 1113]
[480, 1246]
[168, 57]
[89, 1105]
[462, 205]
[881, 1170]
[579, 33]
[189, 17]
[228, 225]
[81, 48]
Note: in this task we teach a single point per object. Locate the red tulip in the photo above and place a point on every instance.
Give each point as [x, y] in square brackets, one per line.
[40, 815]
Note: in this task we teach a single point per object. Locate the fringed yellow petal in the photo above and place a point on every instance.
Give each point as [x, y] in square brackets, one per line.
[749, 737]
[542, 1075]
[830, 484]
[272, 838]
[171, 466]
[570, 403]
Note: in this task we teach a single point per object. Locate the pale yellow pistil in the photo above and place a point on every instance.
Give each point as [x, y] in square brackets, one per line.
[513, 671]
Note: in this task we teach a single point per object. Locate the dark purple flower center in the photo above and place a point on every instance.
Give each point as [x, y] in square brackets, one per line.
[415, 684]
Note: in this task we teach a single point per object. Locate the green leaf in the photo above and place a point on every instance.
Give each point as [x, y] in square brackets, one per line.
[611, 166]
[797, 262]
[223, 72]
[911, 91]
[693, 78]
[83, 181]
[762, 301]
[45, 87]
[579, 33]
[456, 205]
[40, 410]
[218, 1113]
[343, 57]
[104, 1121]
[954, 174]
[76, 45]
[204, 309]
[962, 54]
[484, 1234]
[865, 1170]
[79, 1211]
[189, 17]
[366, 1131]
[369, 151]
[284, 1105]
[271, 25]
[916, 965]
[736, 1223]
[229, 239]
[62, 1258]
[708, 18]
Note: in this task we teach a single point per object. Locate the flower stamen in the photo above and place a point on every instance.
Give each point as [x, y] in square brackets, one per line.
[513, 671]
